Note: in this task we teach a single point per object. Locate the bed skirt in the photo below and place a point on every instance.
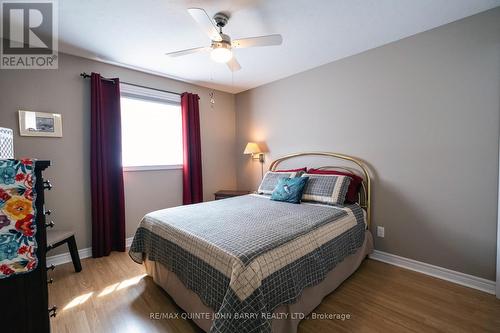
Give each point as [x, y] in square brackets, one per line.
[311, 297]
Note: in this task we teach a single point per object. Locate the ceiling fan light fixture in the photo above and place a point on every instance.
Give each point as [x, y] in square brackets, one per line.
[221, 54]
[222, 46]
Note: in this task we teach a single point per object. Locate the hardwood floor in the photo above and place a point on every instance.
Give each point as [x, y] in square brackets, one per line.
[113, 295]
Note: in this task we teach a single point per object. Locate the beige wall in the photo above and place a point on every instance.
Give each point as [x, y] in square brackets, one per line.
[424, 113]
[64, 91]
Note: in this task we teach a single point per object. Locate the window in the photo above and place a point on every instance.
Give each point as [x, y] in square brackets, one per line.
[151, 129]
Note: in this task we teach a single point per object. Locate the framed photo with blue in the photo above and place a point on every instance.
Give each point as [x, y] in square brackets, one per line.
[32, 123]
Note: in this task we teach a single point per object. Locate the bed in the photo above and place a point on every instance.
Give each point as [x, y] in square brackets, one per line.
[250, 264]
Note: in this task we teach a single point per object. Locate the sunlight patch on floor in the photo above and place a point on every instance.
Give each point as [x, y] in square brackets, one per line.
[109, 289]
[121, 285]
[78, 300]
[130, 282]
[106, 291]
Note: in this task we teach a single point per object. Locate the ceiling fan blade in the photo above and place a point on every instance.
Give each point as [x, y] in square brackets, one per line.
[186, 52]
[258, 41]
[233, 64]
[206, 23]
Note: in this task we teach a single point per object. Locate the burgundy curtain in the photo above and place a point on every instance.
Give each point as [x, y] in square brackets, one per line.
[191, 171]
[106, 178]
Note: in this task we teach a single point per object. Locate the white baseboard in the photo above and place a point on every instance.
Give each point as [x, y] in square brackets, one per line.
[463, 279]
[128, 242]
[64, 258]
[414, 265]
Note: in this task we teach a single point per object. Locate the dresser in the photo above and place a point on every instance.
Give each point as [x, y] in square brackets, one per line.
[24, 297]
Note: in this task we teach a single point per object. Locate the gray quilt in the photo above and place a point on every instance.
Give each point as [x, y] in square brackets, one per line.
[247, 255]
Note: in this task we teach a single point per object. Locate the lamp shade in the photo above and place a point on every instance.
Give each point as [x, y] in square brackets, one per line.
[252, 148]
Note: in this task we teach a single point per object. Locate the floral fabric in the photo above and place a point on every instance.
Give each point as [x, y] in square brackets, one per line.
[17, 217]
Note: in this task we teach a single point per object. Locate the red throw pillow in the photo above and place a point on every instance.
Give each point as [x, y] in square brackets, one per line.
[293, 170]
[354, 185]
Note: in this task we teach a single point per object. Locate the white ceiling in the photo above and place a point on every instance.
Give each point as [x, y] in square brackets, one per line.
[315, 32]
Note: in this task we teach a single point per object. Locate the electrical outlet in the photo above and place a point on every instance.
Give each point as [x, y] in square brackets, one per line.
[380, 232]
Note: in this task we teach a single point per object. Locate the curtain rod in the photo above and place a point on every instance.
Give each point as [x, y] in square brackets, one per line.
[86, 76]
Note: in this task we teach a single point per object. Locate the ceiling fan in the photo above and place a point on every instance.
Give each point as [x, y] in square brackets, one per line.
[221, 47]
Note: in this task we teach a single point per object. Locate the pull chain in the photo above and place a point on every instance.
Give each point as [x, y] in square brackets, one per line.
[211, 94]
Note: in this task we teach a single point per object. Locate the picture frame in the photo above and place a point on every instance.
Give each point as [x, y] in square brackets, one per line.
[45, 124]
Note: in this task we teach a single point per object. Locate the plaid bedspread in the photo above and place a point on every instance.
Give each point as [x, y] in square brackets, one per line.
[247, 255]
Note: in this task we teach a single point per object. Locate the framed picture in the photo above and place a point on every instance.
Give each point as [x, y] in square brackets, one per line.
[33, 123]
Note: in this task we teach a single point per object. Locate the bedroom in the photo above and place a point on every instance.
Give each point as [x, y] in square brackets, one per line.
[409, 89]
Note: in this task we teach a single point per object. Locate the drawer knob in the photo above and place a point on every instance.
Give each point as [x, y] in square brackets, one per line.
[53, 311]
[51, 267]
[50, 281]
[47, 185]
[50, 224]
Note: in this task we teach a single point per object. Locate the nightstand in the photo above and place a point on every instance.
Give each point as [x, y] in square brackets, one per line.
[223, 194]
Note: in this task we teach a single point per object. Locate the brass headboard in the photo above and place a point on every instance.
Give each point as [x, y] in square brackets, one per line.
[365, 195]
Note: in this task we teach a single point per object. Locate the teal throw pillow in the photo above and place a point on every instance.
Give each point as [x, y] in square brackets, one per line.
[289, 189]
